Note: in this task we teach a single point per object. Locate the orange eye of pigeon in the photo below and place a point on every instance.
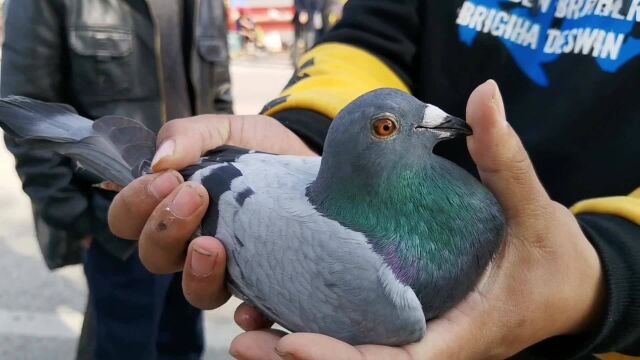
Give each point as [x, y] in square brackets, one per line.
[384, 127]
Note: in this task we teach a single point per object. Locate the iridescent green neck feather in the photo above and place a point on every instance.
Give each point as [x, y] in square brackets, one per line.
[433, 223]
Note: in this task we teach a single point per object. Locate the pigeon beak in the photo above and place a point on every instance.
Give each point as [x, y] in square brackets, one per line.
[454, 126]
[443, 124]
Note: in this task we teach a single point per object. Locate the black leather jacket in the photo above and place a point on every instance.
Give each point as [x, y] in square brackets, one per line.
[102, 58]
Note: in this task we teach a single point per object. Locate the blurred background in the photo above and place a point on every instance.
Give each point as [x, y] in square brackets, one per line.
[259, 28]
[41, 312]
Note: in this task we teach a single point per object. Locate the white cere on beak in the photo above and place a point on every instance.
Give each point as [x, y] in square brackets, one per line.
[434, 116]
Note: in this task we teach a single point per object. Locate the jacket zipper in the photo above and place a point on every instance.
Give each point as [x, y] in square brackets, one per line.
[195, 22]
[159, 65]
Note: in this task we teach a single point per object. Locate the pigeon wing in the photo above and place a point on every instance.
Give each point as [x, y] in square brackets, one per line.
[306, 272]
[114, 148]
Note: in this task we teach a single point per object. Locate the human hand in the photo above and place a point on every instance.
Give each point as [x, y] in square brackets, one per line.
[163, 211]
[545, 281]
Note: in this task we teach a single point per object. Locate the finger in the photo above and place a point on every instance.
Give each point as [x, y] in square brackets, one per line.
[133, 205]
[266, 134]
[249, 318]
[502, 161]
[181, 142]
[203, 275]
[165, 236]
[108, 186]
[305, 346]
[256, 345]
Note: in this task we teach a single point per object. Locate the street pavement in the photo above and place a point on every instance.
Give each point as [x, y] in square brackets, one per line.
[41, 311]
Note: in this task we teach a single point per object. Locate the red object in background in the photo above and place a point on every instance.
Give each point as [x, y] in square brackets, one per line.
[269, 19]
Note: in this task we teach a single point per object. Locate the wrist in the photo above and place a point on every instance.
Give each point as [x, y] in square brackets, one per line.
[604, 328]
[565, 294]
[592, 305]
[581, 288]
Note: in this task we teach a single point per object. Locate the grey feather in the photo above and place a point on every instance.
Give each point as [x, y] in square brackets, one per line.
[114, 148]
[328, 267]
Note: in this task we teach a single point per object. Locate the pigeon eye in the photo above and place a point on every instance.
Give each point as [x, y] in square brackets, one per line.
[384, 127]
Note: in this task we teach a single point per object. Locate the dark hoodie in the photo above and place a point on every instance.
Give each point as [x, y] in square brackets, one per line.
[568, 71]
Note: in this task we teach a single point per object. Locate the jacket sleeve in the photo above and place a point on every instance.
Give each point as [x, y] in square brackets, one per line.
[366, 50]
[33, 66]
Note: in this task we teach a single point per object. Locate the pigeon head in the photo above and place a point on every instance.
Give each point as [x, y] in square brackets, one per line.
[386, 130]
[393, 118]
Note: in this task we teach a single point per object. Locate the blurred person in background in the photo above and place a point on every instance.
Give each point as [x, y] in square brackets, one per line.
[308, 25]
[246, 28]
[331, 13]
[152, 61]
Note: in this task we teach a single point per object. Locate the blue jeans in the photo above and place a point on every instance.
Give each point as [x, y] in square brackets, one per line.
[139, 315]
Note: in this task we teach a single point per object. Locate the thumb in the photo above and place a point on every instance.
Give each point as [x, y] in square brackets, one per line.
[181, 142]
[502, 161]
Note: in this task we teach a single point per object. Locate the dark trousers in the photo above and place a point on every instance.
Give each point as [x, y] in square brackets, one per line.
[138, 315]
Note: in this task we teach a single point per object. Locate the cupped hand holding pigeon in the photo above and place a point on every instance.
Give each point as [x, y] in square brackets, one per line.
[164, 197]
[376, 237]
[545, 281]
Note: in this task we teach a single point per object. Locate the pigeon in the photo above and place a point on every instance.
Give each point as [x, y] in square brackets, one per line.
[365, 244]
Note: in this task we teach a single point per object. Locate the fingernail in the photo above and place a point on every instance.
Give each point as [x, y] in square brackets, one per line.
[496, 100]
[186, 202]
[283, 355]
[234, 354]
[167, 148]
[245, 319]
[238, 356]
[164, 184]
[202, 262]
[495, 97]
[494, 88]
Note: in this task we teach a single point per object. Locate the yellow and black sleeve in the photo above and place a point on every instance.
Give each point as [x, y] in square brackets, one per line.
[352, 59]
